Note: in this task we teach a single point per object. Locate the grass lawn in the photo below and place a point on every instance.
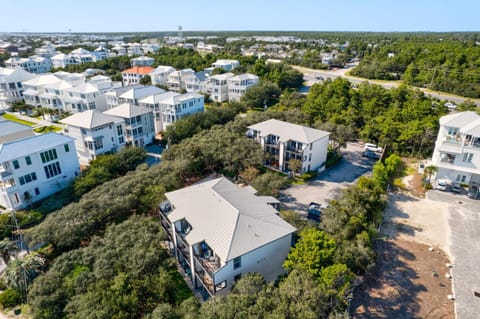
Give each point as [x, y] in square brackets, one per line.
[47, 129]
[13, 118]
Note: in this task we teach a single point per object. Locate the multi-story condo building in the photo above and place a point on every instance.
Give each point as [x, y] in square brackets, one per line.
[142, 61]
[217, 86]
[133, 75]
[61, 60]
[35, 167]
[286, 141]
[11, 87]
[84, 97]
[176, 80]
[33, 64]
[137, 93]
[238, 85]
[171, 106]
[159, 75]
[457, 148]
[95, 133]
[139, 124]
[227, 65]
[220, 232]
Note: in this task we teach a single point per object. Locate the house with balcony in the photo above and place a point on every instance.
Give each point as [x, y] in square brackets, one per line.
[226, 64]
[238, 85]
[95, 134]
[160, 74]
[33, 64]
[133, 75]
[11, 87]
[34, 167]
[142, 61]
[139, 124]
[285, 141]
[457, 148]
[177, 79]
[217, 86]
[84, 97]
[219, 232]
[168, 107]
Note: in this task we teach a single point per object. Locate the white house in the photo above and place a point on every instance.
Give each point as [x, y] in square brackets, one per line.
[35, 167]
[136, 93]
[95, 133]
[139, 126]
[84, 97]
[225, 64]
[11, 87]
[142, 61]
[133, 75]
[176, 80]
[217, 86]
[61, 60]
[286, 141]
[33, 64]
[169, 107]
[238, 85]
[457, 148]
[159, 75]
[220, 232]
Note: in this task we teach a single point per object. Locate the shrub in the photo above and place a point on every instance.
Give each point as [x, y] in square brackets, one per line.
[10, 298]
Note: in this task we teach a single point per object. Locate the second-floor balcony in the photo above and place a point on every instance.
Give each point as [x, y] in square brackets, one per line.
[206, 258]
[447, 158]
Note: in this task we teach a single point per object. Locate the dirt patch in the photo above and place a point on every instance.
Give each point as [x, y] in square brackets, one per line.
[409, 281]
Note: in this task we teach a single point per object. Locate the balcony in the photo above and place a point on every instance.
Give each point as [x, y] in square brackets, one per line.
[206, 258]
[452, 139]
[447, 158]
[205, 280]
[182, 248]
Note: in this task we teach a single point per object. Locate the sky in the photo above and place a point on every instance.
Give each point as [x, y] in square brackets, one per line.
[216, 15]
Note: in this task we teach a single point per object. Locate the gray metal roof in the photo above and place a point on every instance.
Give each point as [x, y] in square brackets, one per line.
[10, 129]
[31, 145]
[90, 119]
[460, 119]
[230, 219]
[289, 131]
[127, 110]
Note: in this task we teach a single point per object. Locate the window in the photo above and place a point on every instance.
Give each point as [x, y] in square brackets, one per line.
[467, 157]
[37, 191]
[237, 262]
[16, 165]
[67, 148]
[28, 160]
[121, 140]
[98, 144]
[309, 157]
[221, 286]
[48, 156]
[52, 170]
[27, 178]
[311, 146]
[119, 130]
[461, 178]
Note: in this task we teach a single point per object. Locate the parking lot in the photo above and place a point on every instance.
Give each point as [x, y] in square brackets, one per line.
[329, 184]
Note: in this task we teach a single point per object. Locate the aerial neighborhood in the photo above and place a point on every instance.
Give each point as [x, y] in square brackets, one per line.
[245, 174]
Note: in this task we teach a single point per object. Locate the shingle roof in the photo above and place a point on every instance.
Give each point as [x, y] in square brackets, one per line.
[30, 145]
[90, 119]
[127, 110]
[230, 219]
[289, 131]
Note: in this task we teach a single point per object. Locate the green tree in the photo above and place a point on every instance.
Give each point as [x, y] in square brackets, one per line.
[8, 249]
[146, 80]
[313, 251]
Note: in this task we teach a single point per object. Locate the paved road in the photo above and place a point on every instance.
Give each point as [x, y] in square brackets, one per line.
[312, 76]
[329, 184]
[464, 225]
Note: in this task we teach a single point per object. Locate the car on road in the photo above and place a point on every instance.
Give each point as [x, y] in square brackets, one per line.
[318, 77]
[372, 147]
[456, 188]
[370, 155]
[441, 185]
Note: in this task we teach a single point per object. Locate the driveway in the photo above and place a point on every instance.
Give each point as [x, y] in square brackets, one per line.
[329, 184]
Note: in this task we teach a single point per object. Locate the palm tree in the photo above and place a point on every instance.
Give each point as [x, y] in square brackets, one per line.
[21, 272]
[429, 170]
[8, 248]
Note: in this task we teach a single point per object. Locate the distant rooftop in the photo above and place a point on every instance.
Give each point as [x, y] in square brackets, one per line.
[289, 131]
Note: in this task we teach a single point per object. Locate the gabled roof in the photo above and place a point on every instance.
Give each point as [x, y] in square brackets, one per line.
[42, 80]
[138, 92]
[127, 111]
[90, 119]
[84, 88]
[30, 145]
[157, 98]
[139, 70]
[59, 85]
[163, 69]
[289, 131]
[460, 119]
[223, 76]
[231, 220]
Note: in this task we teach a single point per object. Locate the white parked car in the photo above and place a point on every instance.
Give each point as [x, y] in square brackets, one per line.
[372, 147]
[441, 185]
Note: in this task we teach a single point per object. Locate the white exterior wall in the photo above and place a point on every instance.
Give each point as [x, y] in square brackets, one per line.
[112, 142]
[318, 155]
[147, 127]
[457, 168]
[171, 113]
[266, 260]
[14, 197]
